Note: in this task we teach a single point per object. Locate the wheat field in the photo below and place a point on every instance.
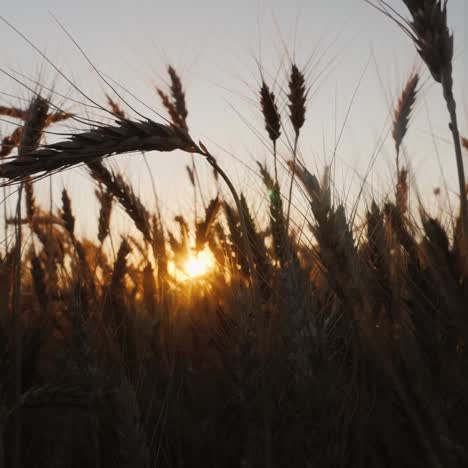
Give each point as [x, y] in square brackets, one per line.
[220, 339]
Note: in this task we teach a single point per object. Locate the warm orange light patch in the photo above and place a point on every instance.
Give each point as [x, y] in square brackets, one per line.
[200, 264]
[197, 265]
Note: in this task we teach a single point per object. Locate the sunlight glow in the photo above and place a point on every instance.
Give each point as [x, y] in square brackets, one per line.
[200, 264]
[197, 265]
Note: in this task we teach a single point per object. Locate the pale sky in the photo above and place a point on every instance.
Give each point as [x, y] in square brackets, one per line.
[216, 46]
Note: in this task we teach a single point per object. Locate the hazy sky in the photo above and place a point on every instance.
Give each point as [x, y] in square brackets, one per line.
[356, 59]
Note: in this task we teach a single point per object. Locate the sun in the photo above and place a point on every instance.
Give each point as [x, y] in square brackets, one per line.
[197, 265]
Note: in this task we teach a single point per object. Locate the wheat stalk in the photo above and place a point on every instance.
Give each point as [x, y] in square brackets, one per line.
[115, 108]
[125, 195]
[159, 247]
[402, 191]
[43, 119]
[10, 142]
[102, 141]
[105, 198]
[297, 97]
[39, 218]
[133, 444]
[67, 214]
[277, 220]
[402, 113]
[170, 107]
[178, 97]
[22, 114]
[39, 280]
[272, 118]
[203, 228]
[14, 112]
[120, 268]
[429, 31]
[30, 137]
[65, 394]
[270, 112]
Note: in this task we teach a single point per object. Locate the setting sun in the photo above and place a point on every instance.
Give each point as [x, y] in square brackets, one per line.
[267, 267]
[197, 265]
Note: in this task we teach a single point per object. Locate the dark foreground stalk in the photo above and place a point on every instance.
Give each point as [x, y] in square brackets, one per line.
[447, 86]
[267, 422]
[17, 332]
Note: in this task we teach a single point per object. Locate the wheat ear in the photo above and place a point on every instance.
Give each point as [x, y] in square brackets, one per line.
[297, 97]
[429, 31]
[272, 119]
[402, 113]
[105, 198]
[30, 137]
[123, 192]
[178, 96]
[124, 137]
[434, 43]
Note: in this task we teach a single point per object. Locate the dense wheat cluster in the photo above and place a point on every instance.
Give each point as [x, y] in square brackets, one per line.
[215, 340]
